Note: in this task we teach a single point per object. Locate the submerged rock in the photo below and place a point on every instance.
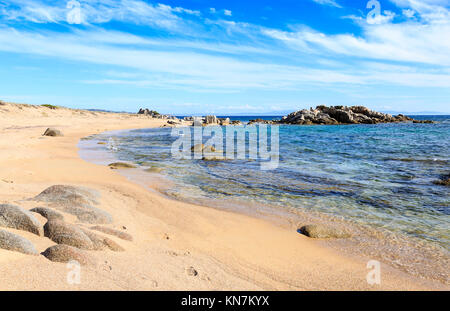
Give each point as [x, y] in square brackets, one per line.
[322, 232]
[47, 213]
[16, 243]
[443, 181]
[117, 233]
[66, 253]
[68, 234]
[12, 216]
[121, 165]
[52, 132]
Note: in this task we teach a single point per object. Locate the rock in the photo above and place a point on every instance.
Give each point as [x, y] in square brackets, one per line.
[69, 195]
[100, 242]
[322, 232]
[117, 233]
[236, 122]
[65, 253]
[154, 170]
[211, 120]
[148, 112]
[64, 233]
[203, 148]
[16, 243]
[15, 217]
[224, 121]
[191, 271]
[47, 213]
[76, 201]
[341, 115]
[121, 165]
[52, 132]
[424, 121]
[443, 181]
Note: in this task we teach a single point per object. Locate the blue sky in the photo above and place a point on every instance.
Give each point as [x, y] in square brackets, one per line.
[226, 57]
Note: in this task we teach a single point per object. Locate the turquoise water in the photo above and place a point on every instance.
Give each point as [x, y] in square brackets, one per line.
[378, 175]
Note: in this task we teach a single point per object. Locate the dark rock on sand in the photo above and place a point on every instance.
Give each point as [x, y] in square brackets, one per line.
[52, 132]
[12, 216]
[322, 232]
[77, 201]
[121, 165]
[47, 213]
[64, 233]
[101, 243]
[65, 253]
[117, 233]
[191, 271]
[16, 243]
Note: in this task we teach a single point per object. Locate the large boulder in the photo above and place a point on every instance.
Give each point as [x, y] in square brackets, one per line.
[47, 213]
[66, 253]
[322, 232]
[52, 132]
[70, 195]
[16, 243]
[77, 201]
[64, 233]
[120, 234]
[12, 216]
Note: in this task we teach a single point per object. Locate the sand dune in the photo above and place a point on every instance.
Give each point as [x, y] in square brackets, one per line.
[176, 246]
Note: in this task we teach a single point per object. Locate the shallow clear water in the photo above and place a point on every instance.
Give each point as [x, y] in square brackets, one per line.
[380, 175]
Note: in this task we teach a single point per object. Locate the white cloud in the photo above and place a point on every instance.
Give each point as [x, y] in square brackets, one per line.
[328, 2]
[408, 13]
[227, 12]
[212, 10]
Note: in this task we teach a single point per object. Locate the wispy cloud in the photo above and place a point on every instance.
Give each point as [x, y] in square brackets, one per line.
[328, 2]
[195, 51]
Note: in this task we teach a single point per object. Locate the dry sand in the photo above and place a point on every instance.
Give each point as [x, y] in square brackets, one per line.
[229, 251]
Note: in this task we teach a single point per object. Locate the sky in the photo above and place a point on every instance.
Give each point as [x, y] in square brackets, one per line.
[197, 57]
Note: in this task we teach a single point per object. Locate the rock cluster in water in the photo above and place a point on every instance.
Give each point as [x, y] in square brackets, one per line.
[343, 115]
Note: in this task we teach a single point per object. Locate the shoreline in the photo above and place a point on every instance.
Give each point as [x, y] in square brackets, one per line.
[367, 241]
[229, 250]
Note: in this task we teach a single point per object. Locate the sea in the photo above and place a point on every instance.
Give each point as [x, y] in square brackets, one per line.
[380, 179]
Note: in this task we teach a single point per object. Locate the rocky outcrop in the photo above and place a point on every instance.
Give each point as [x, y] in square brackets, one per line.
[65, 253]
[148, 112]
[120, 234]
[322, 232]
[16, 243]
[260, 121]
[77, 201]
[47, 213]
[12, 216]
[64, 233]
[342, 115]
[52, 132]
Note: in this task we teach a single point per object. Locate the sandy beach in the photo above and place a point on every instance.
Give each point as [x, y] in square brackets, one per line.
[176, 246]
